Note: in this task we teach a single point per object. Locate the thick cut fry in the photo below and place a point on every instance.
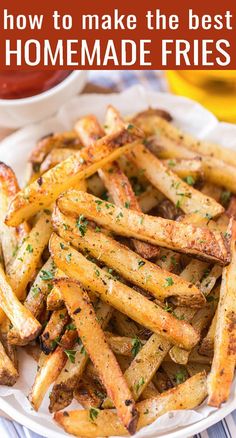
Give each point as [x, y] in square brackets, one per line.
[53, 141]
[41, 193]
[222, 372]
[55, 157]
[50, 367]
[186, 238]
[54, 298]
[188, 395]
[195, 145]
[216, 171]
[124, 261]
[62, 391]
[179, 192]
[10, 238]
[20, 317]
[124, 326]
[22, 269]
[8, 373]
[207, 345]
[186, 168]
[90, 331]
[149, 199]
[120, 296]
[89, 393]
[53, 330]
[144, 365]
[114, 179]
[120, 344]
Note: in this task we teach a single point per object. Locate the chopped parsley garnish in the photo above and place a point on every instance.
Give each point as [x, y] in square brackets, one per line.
[71, 355]
[140, 263]
[68, 257]
[81, 224]
[169, 282]
[46, 275]
[29, 248]
[127, 204]
[136, 346]
[62, 245]
[225, 197]
[190, 180]
[71, 326]
[93, 413]
[130, 126]
[97, 272]
[180, 377]
[171, 163]
[97, 229]
[139, 384]
[98, 202]
[35, 290]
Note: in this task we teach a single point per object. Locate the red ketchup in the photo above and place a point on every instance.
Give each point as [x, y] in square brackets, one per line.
[20, 84]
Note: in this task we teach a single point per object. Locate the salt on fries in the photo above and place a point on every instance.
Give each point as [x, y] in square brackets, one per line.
[110, 276]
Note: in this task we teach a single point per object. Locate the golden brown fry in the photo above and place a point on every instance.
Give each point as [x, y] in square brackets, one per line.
[22, 269]
[123, 325]
[186, 238]
[8, 373]
[114, 179]
[10, 238]
[41, 193]
[195, 368]
[162, 381]
[20, 317]
[216, 171]
[188, 395]
[89, 393]
[179, 192]
[120, 296]
[124, 261]
[53, 330]
[50, 368]
[149, 199]
[207, 345]
[55, 157]
[223, 366]
[54, 298]
[53, 141]
[120, 344]
[90, 331]
[144, 365]
[201, 147]
[185, 168]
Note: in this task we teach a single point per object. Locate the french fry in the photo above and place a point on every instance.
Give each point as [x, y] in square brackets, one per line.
[114, 179]
[215, 171]
[207, 344]
[149, 392]
[50, 367]
[179, 192]
[54, 298]
[186, 238]
[124, 261]
[41, 193]
[162, 381]
[82, 312]
[88, 393]
[149, 199]
[55, 157]
[123, 325]
[22, 269]
[188, 395]
[195, 368]
[223, 365]
[20, 317]
[8, 373]
[167, 182]
[185, 168]
[175, 372]
[53, 141]
[53, 330]
[120, 344]
[120, 296]
[10, 238]
[200, 147]
[144, 366]
[62, 392]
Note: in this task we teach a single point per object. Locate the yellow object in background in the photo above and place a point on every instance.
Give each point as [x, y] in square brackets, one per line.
[214, 89]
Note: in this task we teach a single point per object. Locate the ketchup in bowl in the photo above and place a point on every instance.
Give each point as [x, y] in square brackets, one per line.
[20, 84]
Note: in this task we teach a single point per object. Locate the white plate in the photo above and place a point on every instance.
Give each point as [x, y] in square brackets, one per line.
[15, 149]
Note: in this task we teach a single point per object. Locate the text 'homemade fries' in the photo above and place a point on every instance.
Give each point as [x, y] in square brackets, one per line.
[117, 272]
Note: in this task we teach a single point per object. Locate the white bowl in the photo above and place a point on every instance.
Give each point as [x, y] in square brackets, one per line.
[15, 113]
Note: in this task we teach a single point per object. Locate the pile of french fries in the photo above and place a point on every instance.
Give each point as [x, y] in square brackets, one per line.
[118, 272]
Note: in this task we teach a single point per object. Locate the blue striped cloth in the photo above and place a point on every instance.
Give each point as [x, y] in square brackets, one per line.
[119, 80]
